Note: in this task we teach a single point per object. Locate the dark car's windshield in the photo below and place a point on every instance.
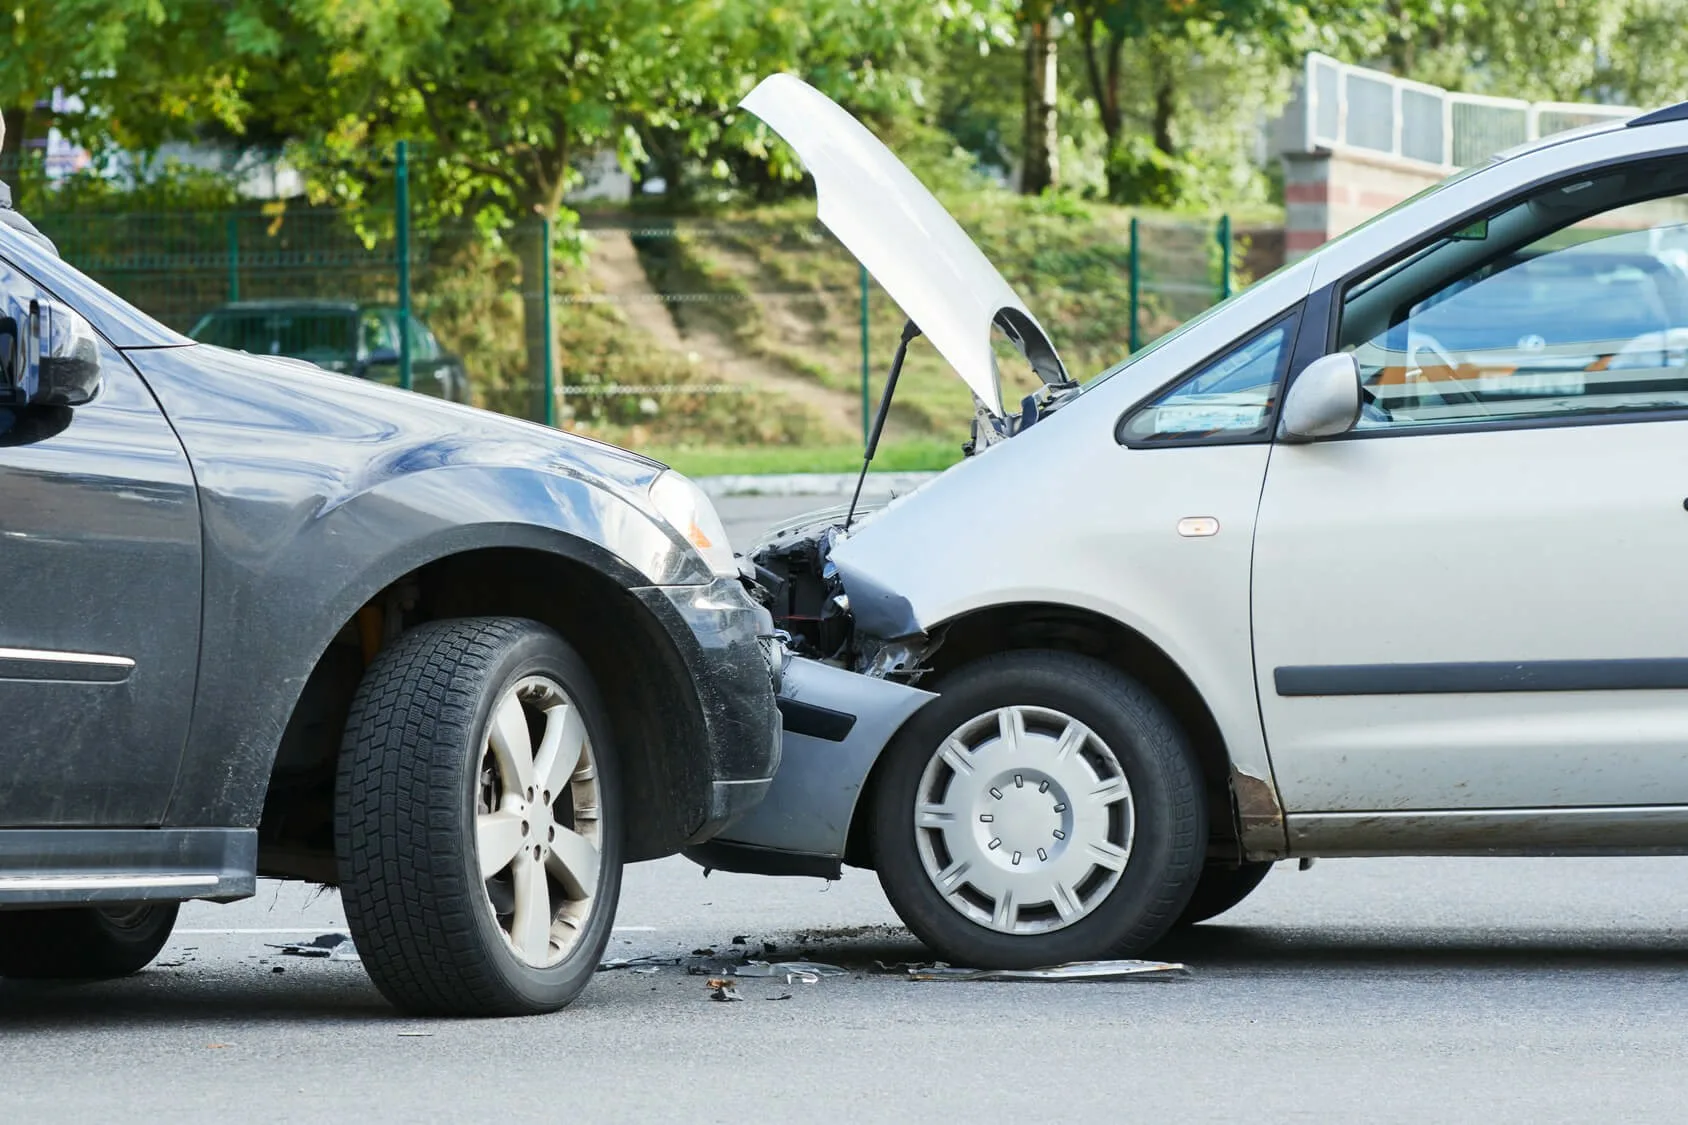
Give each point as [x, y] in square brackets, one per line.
[312, 334]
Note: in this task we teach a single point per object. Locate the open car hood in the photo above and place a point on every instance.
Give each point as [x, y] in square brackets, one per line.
[905, 238]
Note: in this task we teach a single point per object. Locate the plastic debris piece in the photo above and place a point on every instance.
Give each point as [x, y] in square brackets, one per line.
[335, 947]
[721, 988]
[1072, 970]
[706, 951]
[806, 972]
[741, 940]
[782, 996]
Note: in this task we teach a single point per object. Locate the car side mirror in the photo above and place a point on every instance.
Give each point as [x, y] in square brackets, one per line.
[55, 356]
[1324, 400]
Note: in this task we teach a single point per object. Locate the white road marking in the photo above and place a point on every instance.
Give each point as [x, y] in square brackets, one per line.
[341, 925]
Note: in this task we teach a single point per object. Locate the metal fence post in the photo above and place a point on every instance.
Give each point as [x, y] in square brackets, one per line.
[545, 292]
[1136, 284]
[866, 358]
[402, 207]
[234, 259]
[1225, 279]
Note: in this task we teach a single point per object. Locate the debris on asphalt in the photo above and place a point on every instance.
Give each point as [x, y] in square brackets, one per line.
[706, 951]
[805, 972]
[278, 969]
[741, 939]
[414, 1034]
[649, 963]
[335, 947]
[782, 996]
[1072, 970]
[721, 988]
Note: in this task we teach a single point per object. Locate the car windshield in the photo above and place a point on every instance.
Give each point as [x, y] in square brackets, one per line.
[312, 334]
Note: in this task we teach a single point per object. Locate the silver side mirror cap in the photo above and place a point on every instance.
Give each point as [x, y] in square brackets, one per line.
[1324, 400]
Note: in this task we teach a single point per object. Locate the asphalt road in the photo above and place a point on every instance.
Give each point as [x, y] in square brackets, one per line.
[1378, 990]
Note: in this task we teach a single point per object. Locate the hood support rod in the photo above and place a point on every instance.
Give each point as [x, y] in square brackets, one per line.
[910, 331]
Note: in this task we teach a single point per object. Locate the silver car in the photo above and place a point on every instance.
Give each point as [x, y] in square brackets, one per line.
[1383, 556]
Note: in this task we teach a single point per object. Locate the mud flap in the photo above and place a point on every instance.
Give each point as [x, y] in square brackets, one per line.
[836, 723]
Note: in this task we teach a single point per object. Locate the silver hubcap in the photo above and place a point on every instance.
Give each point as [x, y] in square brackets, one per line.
[1024, 820]
[536, 820]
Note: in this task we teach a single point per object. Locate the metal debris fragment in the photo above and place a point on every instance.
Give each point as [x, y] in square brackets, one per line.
[335, 947]
[806, 972]
[649, 963]
[1072, 970]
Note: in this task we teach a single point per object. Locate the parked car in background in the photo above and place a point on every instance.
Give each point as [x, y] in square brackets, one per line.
[1381, 557]
[343, 336]
[268, 620]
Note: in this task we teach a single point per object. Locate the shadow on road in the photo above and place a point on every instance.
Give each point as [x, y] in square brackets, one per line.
[161, 998]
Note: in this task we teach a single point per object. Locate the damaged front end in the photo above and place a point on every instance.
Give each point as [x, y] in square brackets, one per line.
[855, 625]
[848, 687]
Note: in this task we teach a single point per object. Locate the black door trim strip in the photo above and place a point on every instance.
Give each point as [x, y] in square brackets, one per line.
[1498, 676]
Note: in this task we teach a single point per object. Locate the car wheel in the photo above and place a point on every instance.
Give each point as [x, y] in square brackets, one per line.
[1045, 808]
[477, 820]
[85, 942]
[1221, 888]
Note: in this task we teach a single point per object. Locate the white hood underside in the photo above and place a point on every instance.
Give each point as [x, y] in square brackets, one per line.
[908, 242]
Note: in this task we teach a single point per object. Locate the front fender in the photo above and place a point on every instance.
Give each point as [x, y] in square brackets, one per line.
[317, 491]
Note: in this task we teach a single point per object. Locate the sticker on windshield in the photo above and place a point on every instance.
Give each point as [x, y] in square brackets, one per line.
[1206, 418]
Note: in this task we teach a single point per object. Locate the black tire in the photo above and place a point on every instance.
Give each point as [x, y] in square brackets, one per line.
[1221, 888]
[83, 943]
[410, 771]
[1168, 840]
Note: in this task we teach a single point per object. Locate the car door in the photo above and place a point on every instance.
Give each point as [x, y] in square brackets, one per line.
[1475, 599]
[100, 616]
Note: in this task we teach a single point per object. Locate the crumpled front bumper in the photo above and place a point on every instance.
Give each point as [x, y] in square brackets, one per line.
[726, 641]
[836, 724]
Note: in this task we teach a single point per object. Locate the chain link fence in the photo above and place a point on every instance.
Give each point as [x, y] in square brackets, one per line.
[743, 329]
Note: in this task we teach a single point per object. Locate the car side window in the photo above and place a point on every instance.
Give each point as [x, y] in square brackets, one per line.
[376, 334]
[1229, 399]
[423, 346]
[1573, 301]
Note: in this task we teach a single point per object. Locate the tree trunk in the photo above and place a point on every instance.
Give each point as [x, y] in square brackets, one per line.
[1041, 165]
[1161, 123]
[1401, 42]
[1103, 69]
[16, 129]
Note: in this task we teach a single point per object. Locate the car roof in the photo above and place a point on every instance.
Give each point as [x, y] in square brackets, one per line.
[279, 304]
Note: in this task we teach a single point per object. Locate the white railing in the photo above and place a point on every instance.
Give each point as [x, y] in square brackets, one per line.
[1342, 106]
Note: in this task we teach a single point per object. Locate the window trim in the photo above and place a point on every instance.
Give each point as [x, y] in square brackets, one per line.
[1335, 296]
[1294, 322]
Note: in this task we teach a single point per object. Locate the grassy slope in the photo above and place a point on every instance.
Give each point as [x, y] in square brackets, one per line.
[787, 292]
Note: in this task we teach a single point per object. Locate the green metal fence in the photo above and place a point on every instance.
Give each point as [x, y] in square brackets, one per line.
[736, 329]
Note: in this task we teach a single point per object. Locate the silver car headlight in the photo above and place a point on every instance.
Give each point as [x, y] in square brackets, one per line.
[689, 511]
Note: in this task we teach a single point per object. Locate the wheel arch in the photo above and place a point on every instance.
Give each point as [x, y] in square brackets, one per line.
[1242, 809]
[652, 706]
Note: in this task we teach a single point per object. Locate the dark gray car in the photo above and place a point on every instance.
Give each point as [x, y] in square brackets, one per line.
[264, 620]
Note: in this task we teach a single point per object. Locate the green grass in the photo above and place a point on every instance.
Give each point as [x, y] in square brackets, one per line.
[902, 456]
